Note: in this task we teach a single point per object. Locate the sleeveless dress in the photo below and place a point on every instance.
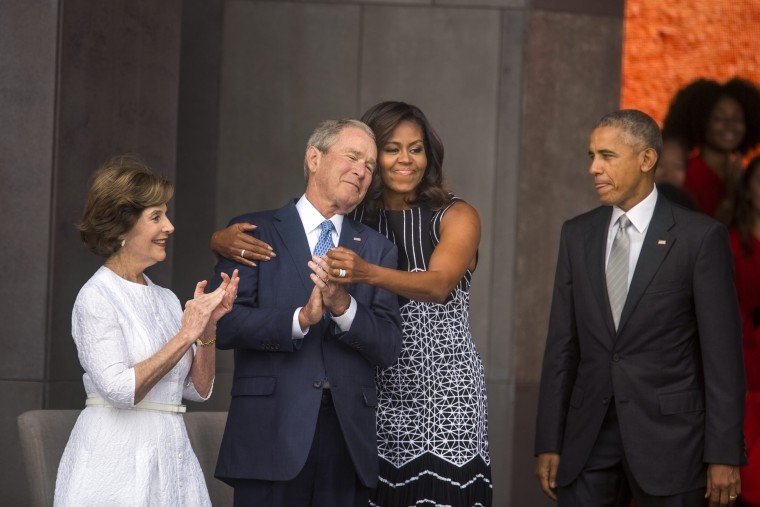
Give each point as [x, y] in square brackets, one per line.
[120, 456]
[432, 407]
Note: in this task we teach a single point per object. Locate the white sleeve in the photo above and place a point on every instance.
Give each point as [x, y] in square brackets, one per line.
[102, 348]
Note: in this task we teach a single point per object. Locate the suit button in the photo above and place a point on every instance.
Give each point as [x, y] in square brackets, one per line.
[605, 401]
[317, 384]
[615, 358]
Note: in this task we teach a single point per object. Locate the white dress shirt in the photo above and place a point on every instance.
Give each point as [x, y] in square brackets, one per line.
[640, 217]
[311, 219]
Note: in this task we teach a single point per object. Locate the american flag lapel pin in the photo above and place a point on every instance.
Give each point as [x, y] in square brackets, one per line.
[661, 241]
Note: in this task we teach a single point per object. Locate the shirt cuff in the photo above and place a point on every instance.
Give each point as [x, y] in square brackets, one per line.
[296, 332]
[344, 321]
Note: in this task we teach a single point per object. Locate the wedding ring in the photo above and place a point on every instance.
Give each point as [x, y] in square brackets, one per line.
[732, 498]
[341, 273]
[242, 253]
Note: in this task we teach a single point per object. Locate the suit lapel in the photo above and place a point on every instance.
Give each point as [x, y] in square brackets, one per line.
[288, 225]
[595, 243]
[657, 242]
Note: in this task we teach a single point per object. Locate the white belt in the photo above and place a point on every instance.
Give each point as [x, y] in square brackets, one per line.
[143, 405]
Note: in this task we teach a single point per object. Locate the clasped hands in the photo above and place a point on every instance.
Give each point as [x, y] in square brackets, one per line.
[325, 296]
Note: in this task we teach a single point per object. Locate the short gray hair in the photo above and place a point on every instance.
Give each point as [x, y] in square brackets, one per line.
[326, 134]
[638, 128]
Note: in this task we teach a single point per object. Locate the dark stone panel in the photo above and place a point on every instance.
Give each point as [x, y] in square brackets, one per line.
[66, 394]
[28, 38]
[506, 198]
[571, 80]
[613, 8]
[15, 398]
[197, 144]
[118, 92]
[285, 68]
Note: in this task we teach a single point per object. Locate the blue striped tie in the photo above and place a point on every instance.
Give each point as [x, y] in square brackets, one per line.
[325, 241]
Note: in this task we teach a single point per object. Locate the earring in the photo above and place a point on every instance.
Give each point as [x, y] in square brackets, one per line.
[123, 241]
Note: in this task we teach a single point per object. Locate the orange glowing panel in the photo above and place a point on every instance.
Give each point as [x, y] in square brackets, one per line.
[670, 43]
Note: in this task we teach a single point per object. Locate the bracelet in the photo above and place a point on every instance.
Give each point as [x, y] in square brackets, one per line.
[209, 343]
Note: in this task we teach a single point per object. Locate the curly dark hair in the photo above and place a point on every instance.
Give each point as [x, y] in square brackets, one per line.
[689, 111]
[119, 192]
[743, 215]
[383, 118]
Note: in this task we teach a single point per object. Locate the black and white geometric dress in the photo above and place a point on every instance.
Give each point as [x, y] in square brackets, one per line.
[432, 407]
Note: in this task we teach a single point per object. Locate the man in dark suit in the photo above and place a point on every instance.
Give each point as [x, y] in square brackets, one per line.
[301, 424]
[642, 384]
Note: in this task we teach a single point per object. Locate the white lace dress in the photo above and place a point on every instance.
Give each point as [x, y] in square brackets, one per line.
[120, 457]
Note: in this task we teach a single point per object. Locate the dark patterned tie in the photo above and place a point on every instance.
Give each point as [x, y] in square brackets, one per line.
[325, 242]
[617, 269]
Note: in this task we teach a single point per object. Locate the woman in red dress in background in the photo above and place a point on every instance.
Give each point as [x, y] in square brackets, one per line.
[745, 245]
[720, 124]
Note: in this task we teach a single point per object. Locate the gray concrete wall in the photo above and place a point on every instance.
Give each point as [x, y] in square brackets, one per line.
[222, 94]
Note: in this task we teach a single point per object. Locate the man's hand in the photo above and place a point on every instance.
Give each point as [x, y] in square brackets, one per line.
[546, 471]
[312, 311]
[334, 297]
[723, 484]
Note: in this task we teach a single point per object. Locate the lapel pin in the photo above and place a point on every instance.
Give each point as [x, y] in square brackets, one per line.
[661, 241]
[357, 238]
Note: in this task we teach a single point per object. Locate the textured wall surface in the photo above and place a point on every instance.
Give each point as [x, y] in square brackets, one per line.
[669, 44]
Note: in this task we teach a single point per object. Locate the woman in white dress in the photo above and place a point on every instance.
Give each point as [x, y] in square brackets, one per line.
[140, 352]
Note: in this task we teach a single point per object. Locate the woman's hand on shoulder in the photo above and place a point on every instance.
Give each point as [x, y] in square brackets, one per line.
[236, 244]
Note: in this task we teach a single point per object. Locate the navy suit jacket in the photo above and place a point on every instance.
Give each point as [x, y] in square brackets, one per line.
[674, 367]
[277, 384]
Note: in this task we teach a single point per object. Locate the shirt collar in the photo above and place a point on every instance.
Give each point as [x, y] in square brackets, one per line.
[312, 219]
[641, 214]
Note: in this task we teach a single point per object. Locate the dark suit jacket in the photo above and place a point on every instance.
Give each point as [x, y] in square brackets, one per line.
[277, 384]
[674, 367]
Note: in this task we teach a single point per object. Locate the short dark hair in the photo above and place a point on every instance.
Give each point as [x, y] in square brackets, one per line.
[639, 129]
[119, 192]
[383, 118]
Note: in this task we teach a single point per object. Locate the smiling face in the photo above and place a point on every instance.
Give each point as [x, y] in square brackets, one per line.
[726, 126]
[339, 177]
[622, 172]
[145, 243]
[402, 162]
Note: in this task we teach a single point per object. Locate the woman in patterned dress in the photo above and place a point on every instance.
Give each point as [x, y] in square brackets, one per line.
[141, 354]
[432, 407]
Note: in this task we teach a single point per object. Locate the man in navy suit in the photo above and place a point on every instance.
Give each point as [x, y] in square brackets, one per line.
[301, 423]
[642, 385]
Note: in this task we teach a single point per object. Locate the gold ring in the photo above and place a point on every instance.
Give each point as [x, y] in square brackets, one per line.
[732, 498]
